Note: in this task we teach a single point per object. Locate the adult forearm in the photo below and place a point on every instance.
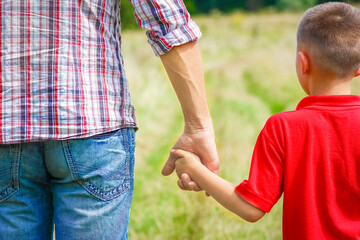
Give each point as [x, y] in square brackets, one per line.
[184, 67]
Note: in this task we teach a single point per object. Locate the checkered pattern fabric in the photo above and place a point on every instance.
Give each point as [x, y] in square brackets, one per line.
[61, 66]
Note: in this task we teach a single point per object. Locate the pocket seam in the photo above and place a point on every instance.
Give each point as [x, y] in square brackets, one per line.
[14, 174]
[91, 188]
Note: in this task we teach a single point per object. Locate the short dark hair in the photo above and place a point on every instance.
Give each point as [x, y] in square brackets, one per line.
[331, 32]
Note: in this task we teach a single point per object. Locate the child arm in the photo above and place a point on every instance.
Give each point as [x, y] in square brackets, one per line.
[220, 189]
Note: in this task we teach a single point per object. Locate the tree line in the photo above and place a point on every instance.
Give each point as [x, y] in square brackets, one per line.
[201, 6]
[206, 6]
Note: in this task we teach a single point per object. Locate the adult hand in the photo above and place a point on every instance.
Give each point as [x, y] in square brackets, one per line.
[201, 143]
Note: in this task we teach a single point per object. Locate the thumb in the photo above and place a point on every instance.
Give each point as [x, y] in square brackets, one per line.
[169, 166]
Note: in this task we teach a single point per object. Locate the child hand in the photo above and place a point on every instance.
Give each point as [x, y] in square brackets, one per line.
[185, 163]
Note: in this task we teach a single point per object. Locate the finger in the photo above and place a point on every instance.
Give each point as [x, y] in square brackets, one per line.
[170, 163]
[169, 166]
[189, 184]
[180, 184]
[185, 179]
[178, 153]
[194, 186]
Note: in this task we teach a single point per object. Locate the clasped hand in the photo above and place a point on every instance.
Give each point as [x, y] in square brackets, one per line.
[202, 144]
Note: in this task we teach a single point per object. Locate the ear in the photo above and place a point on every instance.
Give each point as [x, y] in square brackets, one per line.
[357, 73]
[304, 62]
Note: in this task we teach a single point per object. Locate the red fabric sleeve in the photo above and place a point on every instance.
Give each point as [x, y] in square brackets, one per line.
[254, 199]
[265, 184]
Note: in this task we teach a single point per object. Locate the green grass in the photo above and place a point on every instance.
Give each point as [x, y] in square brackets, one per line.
[249, 69]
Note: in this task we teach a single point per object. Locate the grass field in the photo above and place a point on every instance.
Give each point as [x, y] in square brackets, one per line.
[249, 69]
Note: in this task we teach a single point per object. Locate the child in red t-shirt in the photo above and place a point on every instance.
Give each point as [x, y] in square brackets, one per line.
[312, 154]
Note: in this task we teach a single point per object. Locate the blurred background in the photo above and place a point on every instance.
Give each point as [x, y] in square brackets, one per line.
[248, 49]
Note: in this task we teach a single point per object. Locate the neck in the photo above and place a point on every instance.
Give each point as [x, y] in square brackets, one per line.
[326, 84]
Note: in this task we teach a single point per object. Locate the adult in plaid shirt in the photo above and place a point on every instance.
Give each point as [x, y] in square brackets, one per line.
[66, 118]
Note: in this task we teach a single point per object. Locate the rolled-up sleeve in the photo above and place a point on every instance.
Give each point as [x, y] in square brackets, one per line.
[168, 23]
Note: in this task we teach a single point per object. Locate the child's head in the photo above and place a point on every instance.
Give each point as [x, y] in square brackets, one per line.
[330, 32]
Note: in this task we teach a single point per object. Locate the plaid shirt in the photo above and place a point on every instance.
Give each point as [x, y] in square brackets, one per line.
[62, 73]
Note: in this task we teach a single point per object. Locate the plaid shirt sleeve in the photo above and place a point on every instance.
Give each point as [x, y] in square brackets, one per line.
[168, 23]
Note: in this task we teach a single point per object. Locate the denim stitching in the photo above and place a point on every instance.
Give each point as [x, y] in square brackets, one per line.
[69, 156]
[15, 166]
[111, 193]
[108, 194]
[121, 188]
[14, 174]
[132, 156]
[6, 193]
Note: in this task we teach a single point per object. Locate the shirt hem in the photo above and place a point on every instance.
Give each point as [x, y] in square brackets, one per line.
[82, 135]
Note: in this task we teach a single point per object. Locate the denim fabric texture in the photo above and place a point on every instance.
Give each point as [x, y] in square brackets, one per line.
[84, 187]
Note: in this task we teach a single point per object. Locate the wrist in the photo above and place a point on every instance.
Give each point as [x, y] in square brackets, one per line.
[200, 125]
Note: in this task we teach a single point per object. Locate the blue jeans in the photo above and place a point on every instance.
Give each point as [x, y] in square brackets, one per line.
[84, 187]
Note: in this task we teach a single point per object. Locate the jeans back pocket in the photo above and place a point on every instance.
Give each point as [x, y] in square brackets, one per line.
[9, 170]
[102, 164]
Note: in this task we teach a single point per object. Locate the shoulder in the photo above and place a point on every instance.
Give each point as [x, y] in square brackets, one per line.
[280, 124]
[283, 117]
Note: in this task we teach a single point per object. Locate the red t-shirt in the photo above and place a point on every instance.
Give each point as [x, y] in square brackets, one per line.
[312, 155]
